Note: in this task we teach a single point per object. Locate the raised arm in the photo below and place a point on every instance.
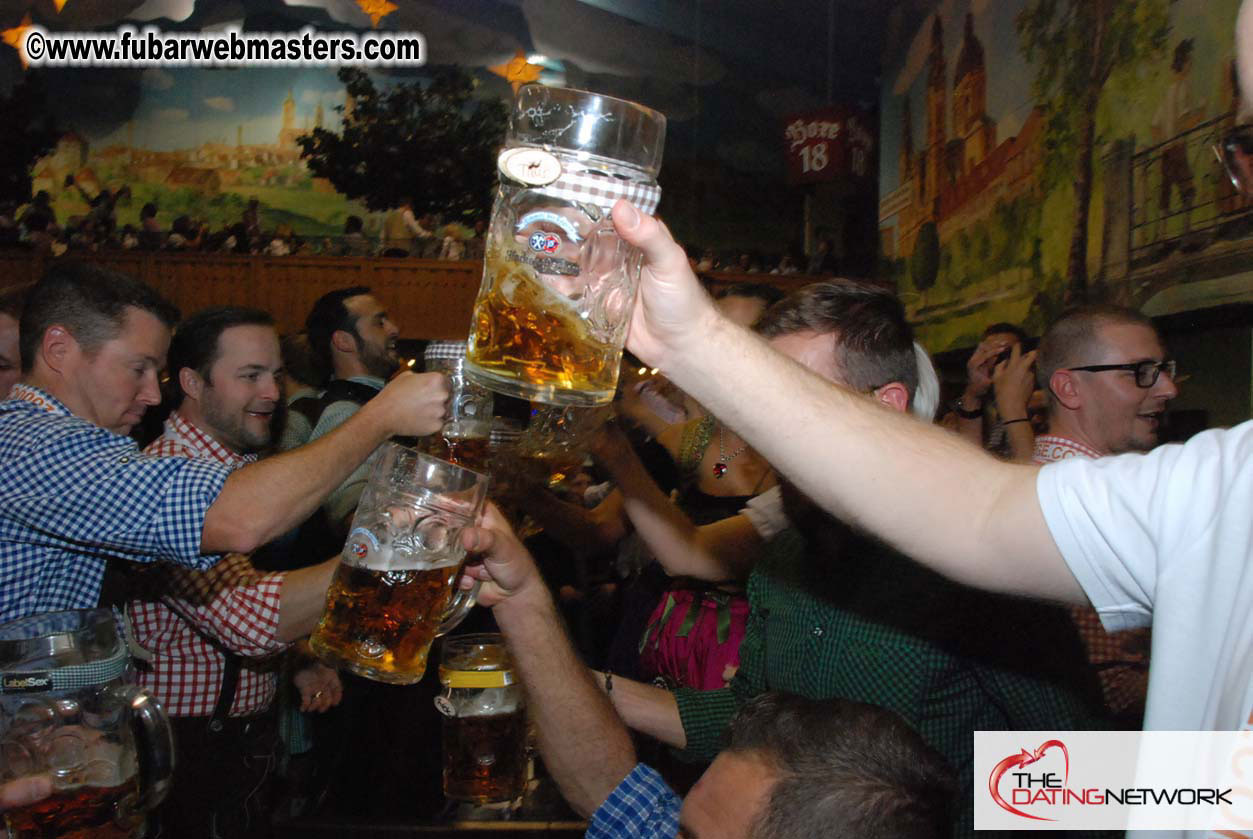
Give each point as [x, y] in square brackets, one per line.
[262, 501]
[585, 745]
[931, 495]
[717, 552]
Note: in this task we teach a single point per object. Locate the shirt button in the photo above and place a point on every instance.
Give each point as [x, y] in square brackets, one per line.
[123, 460]
[817, 631]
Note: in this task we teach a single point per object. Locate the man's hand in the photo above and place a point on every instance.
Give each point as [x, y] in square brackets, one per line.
[1013, 381]
[507, 570]
[672, 310]
[979, 367]
[319, 686]
[415, 404]
[24, 791]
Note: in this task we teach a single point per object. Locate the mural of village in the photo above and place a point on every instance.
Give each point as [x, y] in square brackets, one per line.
[979, 203]
[207, 162]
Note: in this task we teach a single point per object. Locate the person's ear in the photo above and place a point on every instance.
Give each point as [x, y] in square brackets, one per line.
[343, 341]
[59, 348]
[191, 383]
[1064, 388]
[894, 395]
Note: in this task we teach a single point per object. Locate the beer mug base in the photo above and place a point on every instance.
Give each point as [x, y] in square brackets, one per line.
[409, 676]
[547, 393]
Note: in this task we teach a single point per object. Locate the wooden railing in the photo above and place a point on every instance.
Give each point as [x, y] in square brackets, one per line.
[429, 299]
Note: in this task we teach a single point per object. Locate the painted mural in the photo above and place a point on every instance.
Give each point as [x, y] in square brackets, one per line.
[201, 144]
[1037, 153]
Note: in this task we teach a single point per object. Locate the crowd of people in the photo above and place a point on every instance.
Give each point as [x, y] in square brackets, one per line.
[35, 226]
[794, 568]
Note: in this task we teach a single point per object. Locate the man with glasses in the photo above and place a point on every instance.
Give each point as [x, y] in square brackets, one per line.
[1108, 382]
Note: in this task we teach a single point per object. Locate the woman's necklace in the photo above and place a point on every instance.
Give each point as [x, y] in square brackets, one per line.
[720, 468]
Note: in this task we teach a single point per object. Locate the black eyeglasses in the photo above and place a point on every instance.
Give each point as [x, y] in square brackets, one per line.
[1146, 371]
[1235, 152]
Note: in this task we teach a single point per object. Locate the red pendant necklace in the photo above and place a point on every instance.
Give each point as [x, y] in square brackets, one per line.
[720, 468]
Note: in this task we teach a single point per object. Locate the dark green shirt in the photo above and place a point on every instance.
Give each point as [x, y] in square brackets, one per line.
[872, 626]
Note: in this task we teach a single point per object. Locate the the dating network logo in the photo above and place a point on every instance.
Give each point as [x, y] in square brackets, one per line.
[1046, 784]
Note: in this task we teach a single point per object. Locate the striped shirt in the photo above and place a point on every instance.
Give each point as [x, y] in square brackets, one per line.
[74, 495]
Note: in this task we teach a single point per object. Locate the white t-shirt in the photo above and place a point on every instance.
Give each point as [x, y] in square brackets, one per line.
[1167, 539]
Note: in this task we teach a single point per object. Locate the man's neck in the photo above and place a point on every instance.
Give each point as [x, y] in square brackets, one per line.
[55, 386]
[190, 411]
[348, 366]
[1062, 426]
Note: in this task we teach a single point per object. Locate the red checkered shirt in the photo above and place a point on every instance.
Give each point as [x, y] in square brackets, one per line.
[232, 602]
[1121, 659]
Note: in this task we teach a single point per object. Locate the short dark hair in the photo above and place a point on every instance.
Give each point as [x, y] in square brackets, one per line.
[13, 300]
[764, 292]
[328, 316]
[1072, 338]
[1183, 52]
[298, 359]
[196, 341]
[353, 224]
[90, 302]
[1004, 328]
[843, 768]
[875, 340]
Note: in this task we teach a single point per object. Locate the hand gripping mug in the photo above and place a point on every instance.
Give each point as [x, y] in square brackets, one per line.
[67, 714]
[558, 284]
[464, 439]
[396, 589]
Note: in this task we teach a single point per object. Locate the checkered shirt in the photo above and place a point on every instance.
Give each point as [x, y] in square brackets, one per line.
[643, 805]
[231, 602]
[73, 495]
[1121, 659]
[871, 626]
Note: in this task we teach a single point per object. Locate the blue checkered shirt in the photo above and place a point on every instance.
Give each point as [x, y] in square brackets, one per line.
[73, 494]
[642, 805]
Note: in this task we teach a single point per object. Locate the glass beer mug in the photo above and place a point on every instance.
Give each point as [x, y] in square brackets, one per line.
[396, 586]
[464, 439]
[485, 724]
[558, 284]
[66, 713]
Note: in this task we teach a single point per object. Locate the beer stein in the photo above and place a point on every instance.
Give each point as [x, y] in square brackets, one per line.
[464, 437]
[396, 586]
[485, 724]
[558, 284]
[554, 445]
[66, 713]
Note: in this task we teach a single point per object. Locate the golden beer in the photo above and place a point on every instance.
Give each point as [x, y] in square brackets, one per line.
[485, 757]
[380, 624]
[86, 812]
[470, 452]
[528, 342]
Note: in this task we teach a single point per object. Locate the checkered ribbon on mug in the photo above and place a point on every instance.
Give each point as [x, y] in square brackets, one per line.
[592, 187]
[72, 677]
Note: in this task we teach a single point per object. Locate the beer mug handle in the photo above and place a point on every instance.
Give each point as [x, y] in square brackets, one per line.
[460, 606]
[154, 740]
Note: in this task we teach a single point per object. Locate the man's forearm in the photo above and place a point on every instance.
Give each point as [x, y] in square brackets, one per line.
[929, 493]
[585, 745]
[302, 598]
[648, 709]
[266, 499]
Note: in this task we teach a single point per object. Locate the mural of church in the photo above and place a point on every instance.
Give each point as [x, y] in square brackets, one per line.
[979, 215]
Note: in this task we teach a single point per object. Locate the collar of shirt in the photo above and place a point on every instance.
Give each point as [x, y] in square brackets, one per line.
[40, 399]
[372, 381]
[1051, 447]
[201, 444]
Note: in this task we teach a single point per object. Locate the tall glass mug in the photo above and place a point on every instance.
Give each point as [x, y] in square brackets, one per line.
[558, 284]
[67, 713]
[396, 586]
[485, 724]
[464, 438]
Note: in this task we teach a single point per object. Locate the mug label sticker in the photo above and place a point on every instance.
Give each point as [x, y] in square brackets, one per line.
[25, 682]
[360, 541]
[535, 167]
[444, 706]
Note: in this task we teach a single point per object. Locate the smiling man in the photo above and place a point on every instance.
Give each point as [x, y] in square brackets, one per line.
[75, 492]
[211, 636]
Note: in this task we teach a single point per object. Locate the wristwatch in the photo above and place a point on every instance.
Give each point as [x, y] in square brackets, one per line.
[956, 405]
